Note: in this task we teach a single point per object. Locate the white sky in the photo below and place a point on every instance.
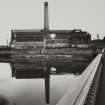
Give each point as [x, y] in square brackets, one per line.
[88, 15]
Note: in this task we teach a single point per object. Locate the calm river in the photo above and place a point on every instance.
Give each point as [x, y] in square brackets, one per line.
[23, 83]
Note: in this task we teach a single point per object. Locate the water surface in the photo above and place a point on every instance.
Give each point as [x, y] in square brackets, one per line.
[24, 83]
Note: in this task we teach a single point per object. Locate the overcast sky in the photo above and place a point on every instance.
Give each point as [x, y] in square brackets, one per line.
[88, 15]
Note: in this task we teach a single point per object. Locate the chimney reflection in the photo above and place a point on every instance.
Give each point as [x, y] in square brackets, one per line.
[27, 70]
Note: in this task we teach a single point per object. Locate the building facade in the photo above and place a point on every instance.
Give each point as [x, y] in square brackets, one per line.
[31, 39]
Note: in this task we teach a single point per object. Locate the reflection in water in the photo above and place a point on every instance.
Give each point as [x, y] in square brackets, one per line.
[33, 70]
[5, 70]
[36, 70]
[31, 91]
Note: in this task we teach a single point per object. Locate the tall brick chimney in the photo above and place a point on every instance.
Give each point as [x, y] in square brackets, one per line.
[46, 17]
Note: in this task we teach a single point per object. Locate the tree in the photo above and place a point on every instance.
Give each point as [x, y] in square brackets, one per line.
[103, 40]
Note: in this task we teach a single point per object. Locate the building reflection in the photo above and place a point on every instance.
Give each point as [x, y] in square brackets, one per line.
[29, 70]
[39, 69]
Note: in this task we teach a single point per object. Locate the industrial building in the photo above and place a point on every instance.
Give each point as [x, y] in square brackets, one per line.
[30, 39]
[38, 39]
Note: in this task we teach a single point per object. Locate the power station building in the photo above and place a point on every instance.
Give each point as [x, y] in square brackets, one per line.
[32, 39]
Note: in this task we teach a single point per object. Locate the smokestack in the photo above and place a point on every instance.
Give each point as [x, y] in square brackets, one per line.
[46, 16]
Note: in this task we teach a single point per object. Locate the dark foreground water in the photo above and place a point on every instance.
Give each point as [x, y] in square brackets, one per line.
[24, 83]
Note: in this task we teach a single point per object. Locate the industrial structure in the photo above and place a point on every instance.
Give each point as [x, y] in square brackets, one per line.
[46, 41]
[32, 39]
[28, 44]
